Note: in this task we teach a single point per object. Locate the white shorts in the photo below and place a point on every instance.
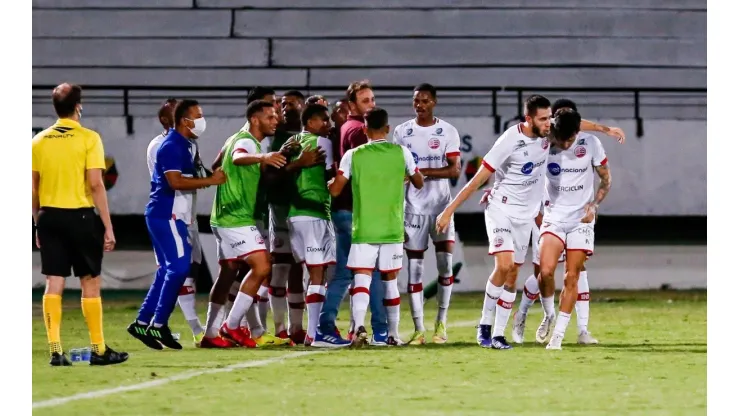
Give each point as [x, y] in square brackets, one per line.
[574, 236]
[536, 247]
[507, 234]
[384, 257]
[196, 255]
[279, 234]
[312, 241]
[239, 242]
[420, 227]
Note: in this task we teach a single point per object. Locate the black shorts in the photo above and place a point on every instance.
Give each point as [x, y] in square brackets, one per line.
[70, 239]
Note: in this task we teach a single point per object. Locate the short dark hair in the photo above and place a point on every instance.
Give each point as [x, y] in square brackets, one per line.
[428, 88]
[314, 99]
[182, 108]
[534, 103]
[168, 102]
[259, 93]
[65, 100]
[566, 123]
[311, 111]
[563, 103]
[376, 119]
[356, 87]
[294, 93]
[256, 107]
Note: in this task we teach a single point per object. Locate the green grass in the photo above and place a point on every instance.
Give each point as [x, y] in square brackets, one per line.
[652, 360]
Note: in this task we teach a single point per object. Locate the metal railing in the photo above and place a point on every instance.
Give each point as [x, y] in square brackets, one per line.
[494, 91]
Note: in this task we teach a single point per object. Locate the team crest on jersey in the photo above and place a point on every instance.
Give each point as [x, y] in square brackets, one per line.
[580, 151]
[581, 141]
[438, 131]
[498, 242]
[545, 144]
[409, 131]
[434, 144]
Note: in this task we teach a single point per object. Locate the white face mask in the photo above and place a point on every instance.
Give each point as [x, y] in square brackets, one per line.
[200, 126]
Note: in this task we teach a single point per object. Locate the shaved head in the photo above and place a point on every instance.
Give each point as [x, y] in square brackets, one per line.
[65, 98]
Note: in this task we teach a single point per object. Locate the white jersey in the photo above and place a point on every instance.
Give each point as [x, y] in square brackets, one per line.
[151, 158]
[430, 146]
[570, 178]
[518, 163]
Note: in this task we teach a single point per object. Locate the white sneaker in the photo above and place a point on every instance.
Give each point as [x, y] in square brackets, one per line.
[544, 330]
[555, 343]
[517, 331]
[585, 338]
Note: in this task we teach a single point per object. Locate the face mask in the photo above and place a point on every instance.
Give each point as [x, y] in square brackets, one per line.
[200, 126]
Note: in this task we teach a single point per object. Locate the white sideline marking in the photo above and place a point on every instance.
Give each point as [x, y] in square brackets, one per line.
[190, 374]
[182, 376]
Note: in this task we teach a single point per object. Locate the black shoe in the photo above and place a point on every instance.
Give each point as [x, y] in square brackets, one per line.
[59, 360]
[360, 338]
[140, 332]
[500, 343]
[108, 357]
[164, 336]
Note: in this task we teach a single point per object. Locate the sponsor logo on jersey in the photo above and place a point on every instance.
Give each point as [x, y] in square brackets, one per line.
[556, 170]
[410, 225]
[315, 249]
[498, 242]
[416, 157]
[580, 151]
[529, 182]
[397, 256]
[545, 144]
[502, 230]
[581, 142]
[520, 144]
[409, 131]
[569, 188]
[528, 168]
[438, 132]
[235, 245]
[434, 144]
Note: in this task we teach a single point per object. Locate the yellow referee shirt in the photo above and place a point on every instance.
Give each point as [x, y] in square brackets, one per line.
[61, 155]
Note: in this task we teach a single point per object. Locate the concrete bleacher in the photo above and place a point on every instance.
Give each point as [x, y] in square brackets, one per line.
[319, 44]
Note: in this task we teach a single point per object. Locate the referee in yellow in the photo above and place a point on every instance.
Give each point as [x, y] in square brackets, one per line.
[67, 171]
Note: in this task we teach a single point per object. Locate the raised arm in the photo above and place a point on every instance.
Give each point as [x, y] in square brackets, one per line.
[615, 132]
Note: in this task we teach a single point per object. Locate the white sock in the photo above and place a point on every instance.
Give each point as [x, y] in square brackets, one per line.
[548, 304]
[583, 302]
[503, 311]
[392, 302]
[489, 302]
[360, 299]
[530, 294]
[263, 304]
[253, 321]
[314, 301]
[214, 319]
[277, 292]
[416, 292]
[296, 302]
[233, 291]
[242, 303]
[186, 300]
[561, 324]
[444, 285]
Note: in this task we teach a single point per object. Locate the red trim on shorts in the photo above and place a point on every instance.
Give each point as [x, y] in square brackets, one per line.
[588, 252]
[487, 166]
[586, 296]
[552, 234]
[491, 253]
[315, 298]
[505, 305]
[416, 288]
[603, 162]
[392, 302]
[361, 289]
[320, 264]
[391, 270]
[453, 154]
[361, 268]
[243, 256]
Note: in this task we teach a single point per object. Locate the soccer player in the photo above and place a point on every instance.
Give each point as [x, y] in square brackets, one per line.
[67, 184]
[317, 99]
[168, 215]
[518, 158]
[361, 99]
[309, 221]
[378, 170]
[435, 145]
[186, 298]
[239, 239]
[570, 213]
[531, 285]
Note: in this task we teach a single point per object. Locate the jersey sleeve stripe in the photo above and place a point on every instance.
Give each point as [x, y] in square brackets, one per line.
[173, 170]
[603, 162]
[453, 154]
[340, 172]
[489, 167]
[240, 150]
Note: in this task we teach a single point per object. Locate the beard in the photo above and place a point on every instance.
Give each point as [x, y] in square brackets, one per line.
[537, 132]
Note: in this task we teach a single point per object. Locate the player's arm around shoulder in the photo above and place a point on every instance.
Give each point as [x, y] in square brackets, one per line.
[415, 176]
